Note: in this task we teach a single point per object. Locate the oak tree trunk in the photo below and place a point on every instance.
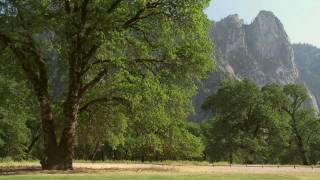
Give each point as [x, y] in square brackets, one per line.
[60, 156]
[50, 158]
[57, 157]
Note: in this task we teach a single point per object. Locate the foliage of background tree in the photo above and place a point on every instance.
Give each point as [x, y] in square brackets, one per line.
[260, 125]
[17, 111]
[302, 121]
[241, 122]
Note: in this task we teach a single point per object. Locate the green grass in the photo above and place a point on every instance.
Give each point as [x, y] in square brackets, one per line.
[146, 174]
[155, 177]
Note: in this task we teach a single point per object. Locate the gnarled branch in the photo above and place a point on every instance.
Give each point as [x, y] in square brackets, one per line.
[104, 100]
[93, 82]
[114, 6]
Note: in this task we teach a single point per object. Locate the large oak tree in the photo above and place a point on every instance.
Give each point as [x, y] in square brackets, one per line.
[85, 42]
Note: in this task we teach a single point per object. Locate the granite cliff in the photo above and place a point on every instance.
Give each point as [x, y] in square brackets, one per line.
[307, 58]
[260, 51]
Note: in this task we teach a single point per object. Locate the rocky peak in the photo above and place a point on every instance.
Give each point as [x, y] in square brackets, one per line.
[268, 44]
[229, 33]
[266, 18]
[260, 51]
[233, 20]
[268, 25]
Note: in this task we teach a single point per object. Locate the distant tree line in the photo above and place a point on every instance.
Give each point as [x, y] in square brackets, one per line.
[261, 125]
[251, 125]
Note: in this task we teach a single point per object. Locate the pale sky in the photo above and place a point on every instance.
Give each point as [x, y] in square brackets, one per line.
[301, 18]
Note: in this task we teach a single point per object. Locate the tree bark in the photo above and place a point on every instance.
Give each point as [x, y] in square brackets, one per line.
[230, 157]
[68, 135]
[50, 156]
[300, 142]
[60, 156]
[71, 111]
[302, 150]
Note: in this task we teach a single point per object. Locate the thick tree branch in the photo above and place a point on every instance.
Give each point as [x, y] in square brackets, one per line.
[4, 38]
[103, 100]
[92, 102]
[84, 11]
[33, 142]
[87, 56]
[153, 61]
[139, 14]
[67, 6]
[89, 66]
[135, 18]
[93, 82]
[114, 6]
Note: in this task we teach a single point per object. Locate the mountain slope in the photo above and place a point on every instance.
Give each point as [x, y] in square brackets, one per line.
[260, 51]
[307, 58]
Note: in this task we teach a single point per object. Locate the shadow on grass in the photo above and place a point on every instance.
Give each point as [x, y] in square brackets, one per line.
[37, 170]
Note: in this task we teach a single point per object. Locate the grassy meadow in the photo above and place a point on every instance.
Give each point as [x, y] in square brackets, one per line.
[166, 177]
[175, 170]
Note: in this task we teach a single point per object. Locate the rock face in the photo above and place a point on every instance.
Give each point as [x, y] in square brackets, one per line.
[260, 51]
[307, 58]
